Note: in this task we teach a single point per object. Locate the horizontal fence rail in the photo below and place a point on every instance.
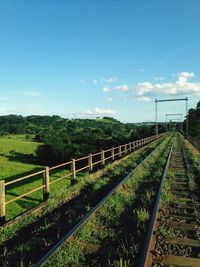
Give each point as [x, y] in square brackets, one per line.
[88, 163]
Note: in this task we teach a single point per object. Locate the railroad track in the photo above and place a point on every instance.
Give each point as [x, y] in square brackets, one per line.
[70, 235]
[173, 237]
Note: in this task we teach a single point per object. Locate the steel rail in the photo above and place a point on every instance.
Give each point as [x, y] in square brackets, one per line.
[154, 213]
[70, 234]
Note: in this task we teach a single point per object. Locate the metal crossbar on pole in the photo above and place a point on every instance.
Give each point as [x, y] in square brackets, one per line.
[173, 99]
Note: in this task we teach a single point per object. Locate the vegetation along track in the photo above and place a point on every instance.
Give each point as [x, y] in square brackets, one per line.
[174, 236]
[95, 239]
[32, 241]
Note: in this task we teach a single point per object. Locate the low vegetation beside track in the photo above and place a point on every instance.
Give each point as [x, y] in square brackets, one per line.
[109, 176]
[114, 237]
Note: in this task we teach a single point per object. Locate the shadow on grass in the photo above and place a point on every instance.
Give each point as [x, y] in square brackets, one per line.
[21, 157]
[60, 220]
[24, 199]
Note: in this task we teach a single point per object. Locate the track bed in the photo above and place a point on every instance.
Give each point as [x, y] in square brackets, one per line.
[175, 239]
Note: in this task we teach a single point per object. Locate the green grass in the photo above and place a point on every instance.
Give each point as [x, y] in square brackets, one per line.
[17, 159]
[109, 220]
[14, 152]
[61, 193]
[120, 224]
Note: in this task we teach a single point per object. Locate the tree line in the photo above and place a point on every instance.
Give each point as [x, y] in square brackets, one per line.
[63, 138]
[194, 122]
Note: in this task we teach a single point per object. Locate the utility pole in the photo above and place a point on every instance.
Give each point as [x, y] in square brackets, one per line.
[156, 112]
[187, 118]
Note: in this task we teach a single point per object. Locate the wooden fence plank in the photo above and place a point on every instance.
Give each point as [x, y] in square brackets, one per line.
[90, 162]
[113, 153]
[73, 171]
[46, 184]
[102, 157]
[2, 202]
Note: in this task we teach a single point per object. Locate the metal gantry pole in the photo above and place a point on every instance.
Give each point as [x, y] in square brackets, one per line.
[181, 122]
[156, 114]
[187, 117]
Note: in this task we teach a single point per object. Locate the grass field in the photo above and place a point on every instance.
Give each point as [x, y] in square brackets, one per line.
[89, 188]
[17, 155]
[18, 159]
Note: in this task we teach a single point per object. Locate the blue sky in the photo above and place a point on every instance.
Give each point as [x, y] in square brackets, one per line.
[87, 58]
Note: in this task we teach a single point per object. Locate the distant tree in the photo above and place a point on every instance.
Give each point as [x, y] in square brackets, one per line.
[63, 138]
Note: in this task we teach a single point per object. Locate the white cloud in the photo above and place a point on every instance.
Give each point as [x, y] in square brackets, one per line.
[101, 111]
[106, 90]
[186, 74]
[122, 88]
[143, 99]
[82, 81]
[97, 112]
[141, 70]
[110, 80]
[159, 78]
[94, 82]
[180, 87]
[29, 93]
[110, 99]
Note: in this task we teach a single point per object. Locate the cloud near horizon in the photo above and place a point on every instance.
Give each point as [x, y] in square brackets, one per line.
[97, 112]
[110, 80]
[122, 88]
[181, 86]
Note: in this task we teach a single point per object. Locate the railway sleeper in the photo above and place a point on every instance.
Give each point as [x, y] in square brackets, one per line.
[171, 260]
[183, 241]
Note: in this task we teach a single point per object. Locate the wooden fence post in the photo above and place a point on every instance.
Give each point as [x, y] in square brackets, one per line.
[133, 145]
[125, 148]
[90, 162]
[130, 147]
[113, 153]
[46, 184]
[102, 157]
[2, 202]
[73, 171]
[120, 151]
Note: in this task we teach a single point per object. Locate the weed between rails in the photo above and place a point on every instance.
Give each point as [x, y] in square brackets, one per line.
[33, 240]
[114, 237]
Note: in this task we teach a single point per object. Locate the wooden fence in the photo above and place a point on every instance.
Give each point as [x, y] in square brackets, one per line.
[91, 160]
